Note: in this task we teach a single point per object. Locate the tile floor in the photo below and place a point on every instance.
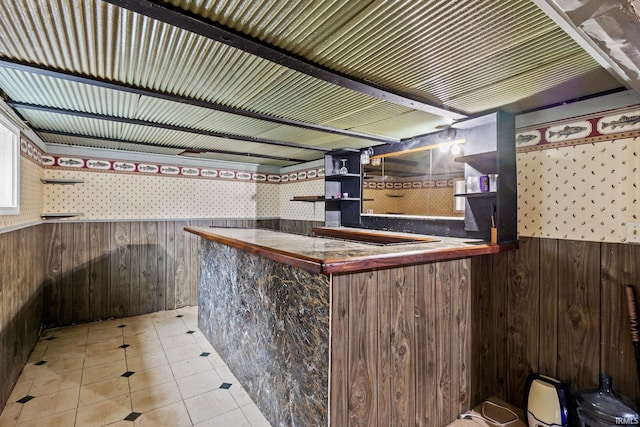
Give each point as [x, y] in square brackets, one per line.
[150, 370]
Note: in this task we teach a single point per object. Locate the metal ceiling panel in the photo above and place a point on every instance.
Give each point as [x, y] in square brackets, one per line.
[112, 145]
[42, 90]
[438, 50]
[165, 59]
[466, 55]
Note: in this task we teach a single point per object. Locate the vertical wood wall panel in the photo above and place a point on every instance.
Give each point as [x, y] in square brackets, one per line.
[522, 315]
[444, 358]
[53, 272]
[384, 362]
[100, 270]
[579, 313]
[22, 268]
[120, 269]
[427, 412]
[462, 347]
[548, 346]
[135, 269]
[182, 254]
[80, 273]
[339, 362]
[617, 355]
[363, 348]
[402, 346]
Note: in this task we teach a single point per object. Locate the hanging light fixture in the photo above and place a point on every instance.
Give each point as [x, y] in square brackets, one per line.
[365, 156]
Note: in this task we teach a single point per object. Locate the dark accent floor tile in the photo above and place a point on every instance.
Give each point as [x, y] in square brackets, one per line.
[180, 315]
[40, 362]
[204, 354]
[122, 326]
[128, 374]
[25, 399]
[226, 386]
[132, 416]
[124, 346]
[191, 332]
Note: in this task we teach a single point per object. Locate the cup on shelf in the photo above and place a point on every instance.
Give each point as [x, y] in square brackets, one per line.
[493, 182]
[345, 195]
[472, 184]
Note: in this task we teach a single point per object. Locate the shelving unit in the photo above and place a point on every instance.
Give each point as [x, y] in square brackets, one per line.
[343, 211]
[56, 181]
[490, 149]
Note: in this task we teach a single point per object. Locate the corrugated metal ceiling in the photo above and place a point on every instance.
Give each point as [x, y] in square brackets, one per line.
[461, 55]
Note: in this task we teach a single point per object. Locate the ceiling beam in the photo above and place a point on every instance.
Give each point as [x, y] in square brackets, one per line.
[560, 17]
[151, 144]
[96, 116]
[198, 25]
[107, 84]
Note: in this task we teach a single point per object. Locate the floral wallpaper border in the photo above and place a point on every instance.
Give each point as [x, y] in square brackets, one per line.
[581, 130]
[408, 184]
[47, 161]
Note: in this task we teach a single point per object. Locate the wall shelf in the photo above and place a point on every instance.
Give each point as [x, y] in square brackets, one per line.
[484, 162]
[307, 199]
[59, 215]
[339, 177]
[61, 181]
[394, 195]
[483, 194]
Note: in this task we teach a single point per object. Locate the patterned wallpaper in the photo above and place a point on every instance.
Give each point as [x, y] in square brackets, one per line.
[436, 201]
[30, 194]
[309, 211]
[135, 196]
[579, 179]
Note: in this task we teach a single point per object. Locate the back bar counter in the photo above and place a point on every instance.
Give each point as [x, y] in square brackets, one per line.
[322, 331]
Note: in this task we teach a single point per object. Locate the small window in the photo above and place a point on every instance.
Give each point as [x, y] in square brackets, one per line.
[9, 168]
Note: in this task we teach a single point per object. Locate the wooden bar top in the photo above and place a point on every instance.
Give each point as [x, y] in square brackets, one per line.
[331, 255]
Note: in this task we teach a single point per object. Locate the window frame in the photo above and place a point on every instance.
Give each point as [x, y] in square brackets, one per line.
[10, 134]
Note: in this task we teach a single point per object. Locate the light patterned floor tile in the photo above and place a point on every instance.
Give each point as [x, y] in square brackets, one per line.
[103, 390]
[146, 361]
[107, 356]
[150, 377]
[155, 397]
[210, 405]
[49, 404]
[192, 366]
[171, 380]
[10, 414]
[63, 419]
[174, 415]
[105, 412]
[182, 353]
[198, 384]
[255, 417]
[55, 383]
[104, 372]
[235, 418]
[104, 324]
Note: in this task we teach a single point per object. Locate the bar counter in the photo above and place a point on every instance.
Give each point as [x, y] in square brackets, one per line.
[323, 331]
[331, 255]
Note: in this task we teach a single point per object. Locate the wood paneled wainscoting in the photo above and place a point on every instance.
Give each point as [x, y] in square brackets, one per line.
[557, 307]
[406, 342]
[21, 277]
[98, 270]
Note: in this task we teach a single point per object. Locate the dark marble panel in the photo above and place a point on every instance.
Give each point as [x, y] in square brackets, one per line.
[432, 226]
[270, 323]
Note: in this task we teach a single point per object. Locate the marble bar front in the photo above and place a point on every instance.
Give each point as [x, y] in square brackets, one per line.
[323, 331]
